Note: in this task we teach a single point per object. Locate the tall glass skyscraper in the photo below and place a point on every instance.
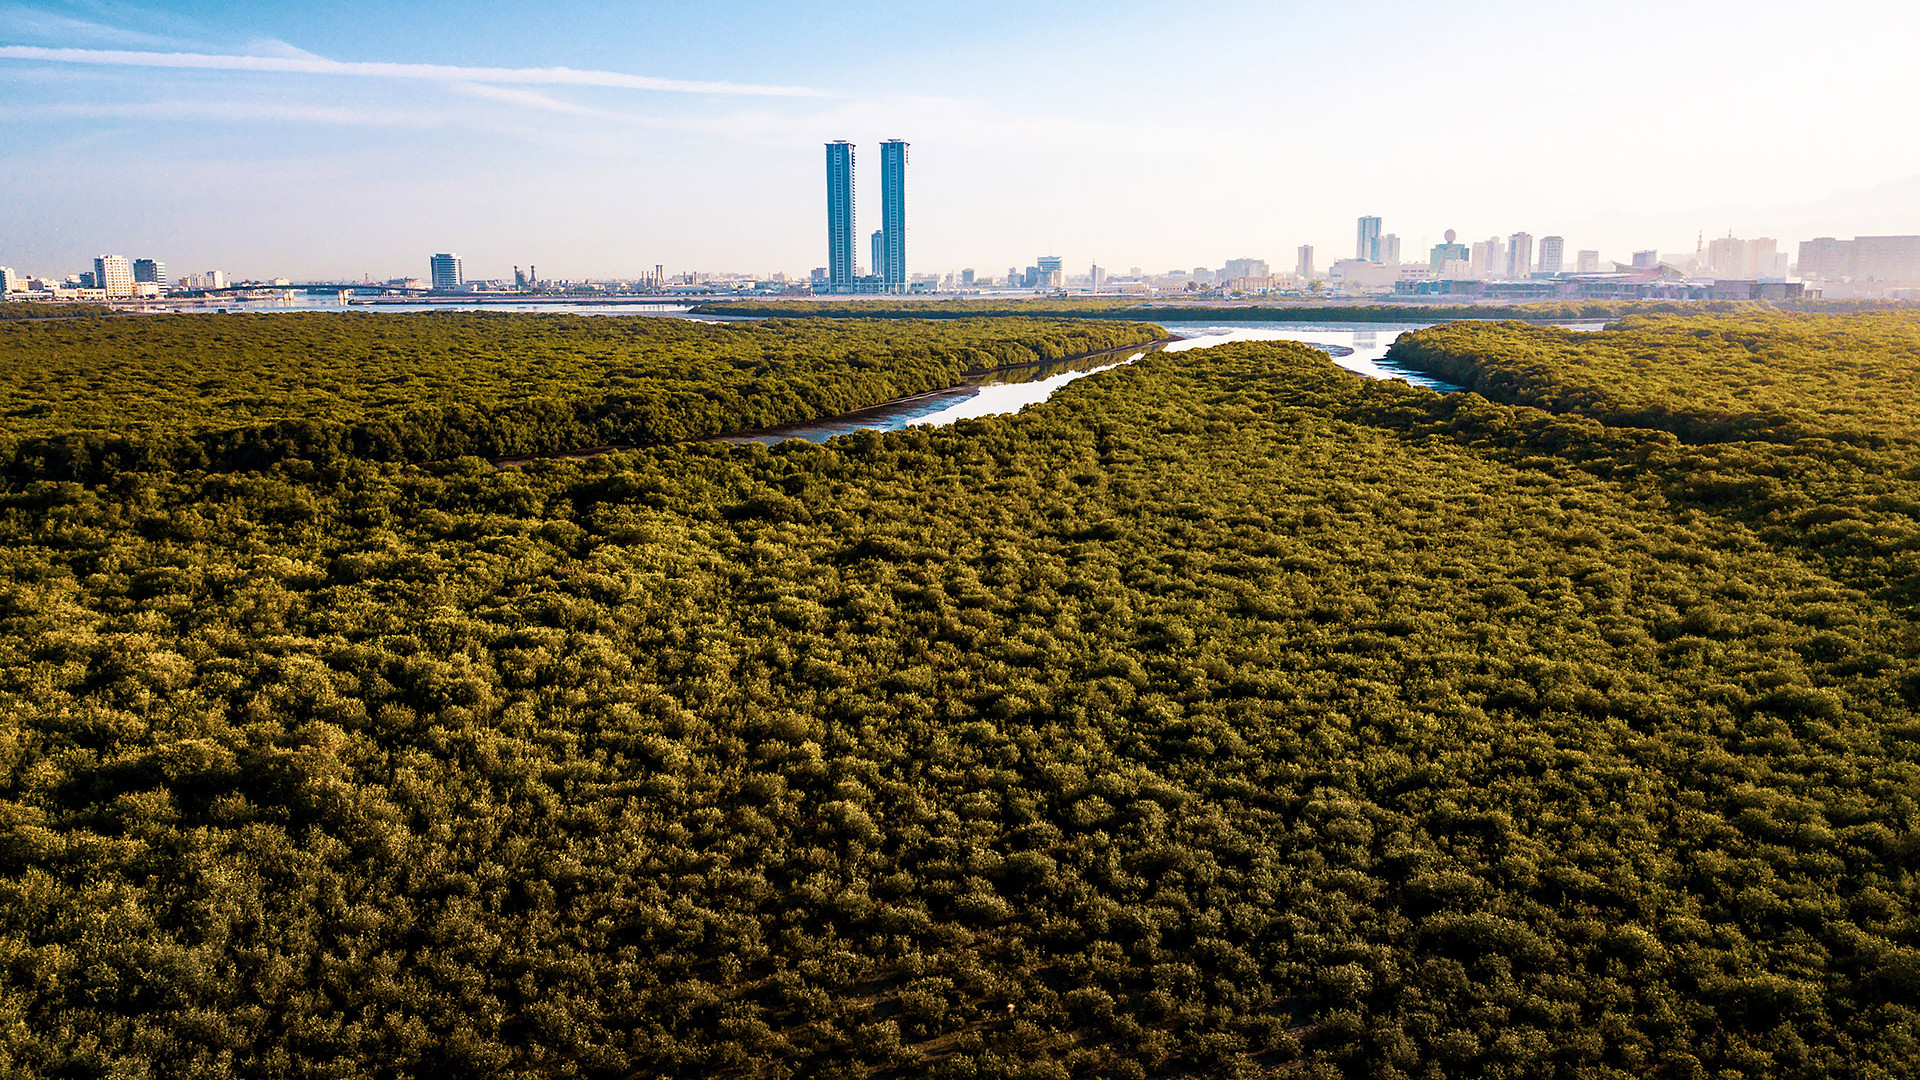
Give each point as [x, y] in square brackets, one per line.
[840, 249]
[446, 272]
[1367, 244]
[893, 215]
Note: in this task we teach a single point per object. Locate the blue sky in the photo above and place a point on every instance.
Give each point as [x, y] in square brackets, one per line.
[597, 139]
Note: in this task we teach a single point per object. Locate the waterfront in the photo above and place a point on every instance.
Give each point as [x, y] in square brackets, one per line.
[1359, 348]
[1360, 351]
[1364, 346]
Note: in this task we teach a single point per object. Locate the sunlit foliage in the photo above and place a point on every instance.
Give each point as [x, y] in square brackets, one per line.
[12, 311]
[89, 397]
[1805, 428]
[1227, 715]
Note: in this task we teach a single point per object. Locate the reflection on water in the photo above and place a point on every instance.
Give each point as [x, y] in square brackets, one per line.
[987, 395]
[1369, 346]
[1011, 391]
[1361, 349]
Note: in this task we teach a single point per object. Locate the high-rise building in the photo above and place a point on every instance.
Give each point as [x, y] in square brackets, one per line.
[10, 281]
[1096, 277]
[444, 271]
[1891, 259]
[1727, 258]
[1052, 272]
[1587, 262]
[1448, 251]
[1367, 240]
[1826, 258]
[966, 277]
[113, 274]
[878, 241]
[1386, 250]
[1882, 260]
[1247, 275]
[1646, 260]
[840, 250]
[1519, 256]
[149, 271]
[1553, 254]
[1303, 268]
[893, 213]
[1738, 259]
[1488, 259]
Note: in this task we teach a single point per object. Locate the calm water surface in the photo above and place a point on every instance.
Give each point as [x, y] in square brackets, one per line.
[1360, 348]
[988, 395]
[1368, 344]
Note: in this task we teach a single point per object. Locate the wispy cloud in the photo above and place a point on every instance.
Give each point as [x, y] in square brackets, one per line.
[275, 112]
[534, 99]
[308, 64]
[19, 23]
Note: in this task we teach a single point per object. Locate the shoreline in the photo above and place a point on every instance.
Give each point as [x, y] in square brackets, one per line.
[581, 453]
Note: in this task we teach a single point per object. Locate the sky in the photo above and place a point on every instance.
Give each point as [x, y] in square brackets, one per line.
[341, 139]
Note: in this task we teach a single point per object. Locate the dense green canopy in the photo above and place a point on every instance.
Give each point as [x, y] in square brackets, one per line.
[17, 311]
[1804, 428]
[1759, 375]
[1226, 715]
[90, 396]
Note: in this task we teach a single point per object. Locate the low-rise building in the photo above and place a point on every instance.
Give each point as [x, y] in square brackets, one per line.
[1363, 275]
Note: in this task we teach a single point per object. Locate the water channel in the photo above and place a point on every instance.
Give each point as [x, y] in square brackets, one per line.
[1359, 347]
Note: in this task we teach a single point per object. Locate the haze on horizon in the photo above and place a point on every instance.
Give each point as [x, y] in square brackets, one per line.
[329, 141]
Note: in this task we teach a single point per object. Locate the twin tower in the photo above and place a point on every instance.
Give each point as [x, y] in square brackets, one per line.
[889, 272]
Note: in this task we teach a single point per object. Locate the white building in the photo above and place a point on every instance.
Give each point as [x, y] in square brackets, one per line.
[1519, 256]
[113, 275]
[1362, 275]
[1727, 258]
[1752, 260]
[1553, 254]
[446, 271]
[1487, 259]
[11, 281]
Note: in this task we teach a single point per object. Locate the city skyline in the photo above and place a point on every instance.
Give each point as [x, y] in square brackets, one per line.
[315, 145]
[1861, 266]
